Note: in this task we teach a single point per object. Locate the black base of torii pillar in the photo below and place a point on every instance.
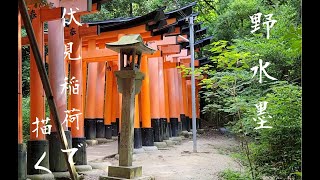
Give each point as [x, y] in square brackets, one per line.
[22, 161]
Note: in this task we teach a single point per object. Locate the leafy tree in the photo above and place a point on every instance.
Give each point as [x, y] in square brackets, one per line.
[278, 151]
[131, 8]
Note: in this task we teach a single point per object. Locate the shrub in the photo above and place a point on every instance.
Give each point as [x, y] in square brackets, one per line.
[278, 150]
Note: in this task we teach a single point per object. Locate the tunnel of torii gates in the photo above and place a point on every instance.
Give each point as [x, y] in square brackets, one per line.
[85, 88]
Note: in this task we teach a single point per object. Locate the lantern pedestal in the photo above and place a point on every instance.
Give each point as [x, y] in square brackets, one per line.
[129, 81]
[129, 84]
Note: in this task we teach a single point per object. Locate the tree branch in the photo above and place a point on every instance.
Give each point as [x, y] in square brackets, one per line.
[204, 14]
[211, 6]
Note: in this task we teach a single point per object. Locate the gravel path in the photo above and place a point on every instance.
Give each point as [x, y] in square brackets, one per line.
[179, 162]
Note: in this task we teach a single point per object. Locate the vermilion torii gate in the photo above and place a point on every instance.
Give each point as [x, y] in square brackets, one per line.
[40, 161]
[109, 31]
[163, 104]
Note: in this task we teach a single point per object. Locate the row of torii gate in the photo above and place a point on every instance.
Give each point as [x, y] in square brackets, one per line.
[83, 61]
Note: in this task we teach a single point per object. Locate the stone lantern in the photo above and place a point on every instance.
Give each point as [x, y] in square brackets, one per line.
[129, 81]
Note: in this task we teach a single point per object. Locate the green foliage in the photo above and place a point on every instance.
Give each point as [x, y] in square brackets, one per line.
[227, 57]
[284, 47]
[278, 151]
[229, 174]
[26, 118]
[25, 71]
[131, 8]
[229, 86]
[275, 152]
[230, 90]
[234, 19]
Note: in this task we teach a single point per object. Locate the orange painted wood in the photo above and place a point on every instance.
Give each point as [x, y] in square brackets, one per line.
[84, 85]
[100, 41]
[183, 52]
[115, 95]
[81, 5]
[197, 99]
[154, 87]
[84, 30]
[169, 65]
[153, 45]
[90, 32]
[197, 106]
[51, 14]
[155, 54]
[146, 34]
[68, 108]
[140, 112]
[185, 59]
[176, 31]
[32, 2]
[188, 60]
[181, 97]
[145, 95]
[177, 94]
[189, 98]
[98, 53]
[120, 110]
[66, 63]
[66, 66]
[46, 14]
[134, 30]
[152, 38]
[91, 87]
[77, 130]
[100, 89]
[196, 63]
[37, 96]
[186, 64]
[172, 93]
[81, 29]
[20, 124]
[167, 40]
[102, 38]
[87, 31]
[108, 95]
[136, 113]
[170, 49]
[184, 94]
[77, 72]
[102, 59]
[166, 93]
[25, 41]
[171, 20]
[162, 108]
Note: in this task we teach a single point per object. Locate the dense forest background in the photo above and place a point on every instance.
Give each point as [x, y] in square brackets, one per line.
[232, 94]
